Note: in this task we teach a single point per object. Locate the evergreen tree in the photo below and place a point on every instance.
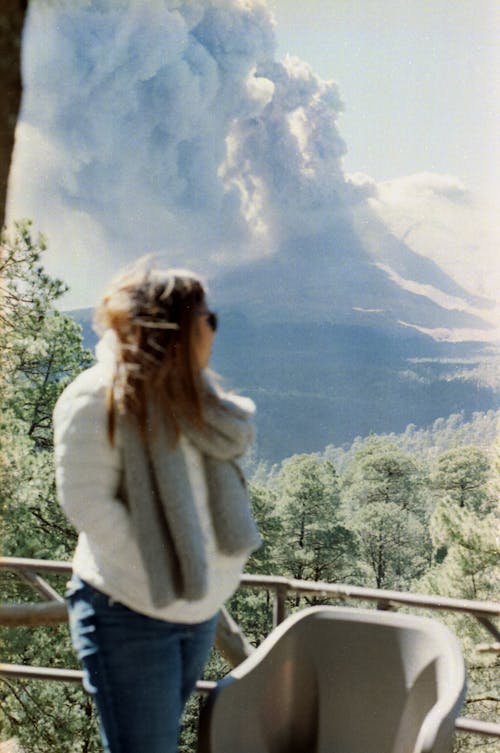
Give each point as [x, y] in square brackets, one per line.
[384, 500]
[314, 544]
[252, 609]
[464, 524]
[41, 350]
[265, 509]
[465, 535]
[461, 475]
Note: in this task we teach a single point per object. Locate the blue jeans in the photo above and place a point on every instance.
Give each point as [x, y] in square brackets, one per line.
[140, 671]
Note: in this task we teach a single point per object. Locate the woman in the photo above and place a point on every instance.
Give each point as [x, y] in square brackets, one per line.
[146, 447]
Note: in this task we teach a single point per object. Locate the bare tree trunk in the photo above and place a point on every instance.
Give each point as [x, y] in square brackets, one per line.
[12, 14]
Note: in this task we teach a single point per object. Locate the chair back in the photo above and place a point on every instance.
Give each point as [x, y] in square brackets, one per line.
[340, 680]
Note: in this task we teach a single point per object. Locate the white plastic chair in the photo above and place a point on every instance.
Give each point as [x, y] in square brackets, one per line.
[340, 680]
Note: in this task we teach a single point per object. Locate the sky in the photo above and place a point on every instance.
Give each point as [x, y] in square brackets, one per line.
[423, 72]
[209, 133]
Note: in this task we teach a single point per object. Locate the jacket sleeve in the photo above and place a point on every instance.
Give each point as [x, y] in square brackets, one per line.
[88, 470]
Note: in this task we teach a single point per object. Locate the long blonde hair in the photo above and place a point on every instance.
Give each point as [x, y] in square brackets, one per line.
[152, 312]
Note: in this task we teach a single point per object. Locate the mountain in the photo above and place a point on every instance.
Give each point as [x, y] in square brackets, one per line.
[326, 383]
[336, 276]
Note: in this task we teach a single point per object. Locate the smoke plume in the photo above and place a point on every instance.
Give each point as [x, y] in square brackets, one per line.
[170, 126]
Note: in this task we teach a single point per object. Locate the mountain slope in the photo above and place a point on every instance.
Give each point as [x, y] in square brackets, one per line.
[334, 277]
[320, 384]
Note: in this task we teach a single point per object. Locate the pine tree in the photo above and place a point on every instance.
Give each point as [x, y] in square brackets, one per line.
[465, 536]
[314, 544]
[464, 524]
[253, 610]
[41, 350]
[384, 501]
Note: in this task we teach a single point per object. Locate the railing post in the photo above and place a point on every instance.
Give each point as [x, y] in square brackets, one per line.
[279, 606]
[385, 606]
[40, 585]
[490, 627]
[230, 641]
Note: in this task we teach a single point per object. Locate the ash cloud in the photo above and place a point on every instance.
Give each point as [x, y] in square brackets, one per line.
[170, 126]
[128, 105]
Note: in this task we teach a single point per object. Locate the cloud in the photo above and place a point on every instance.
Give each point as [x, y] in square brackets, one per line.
[438, 218]
[171, 127]
[290, 155]
[126, 114]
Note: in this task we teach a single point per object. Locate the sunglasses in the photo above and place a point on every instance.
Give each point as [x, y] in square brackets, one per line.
[212, 320]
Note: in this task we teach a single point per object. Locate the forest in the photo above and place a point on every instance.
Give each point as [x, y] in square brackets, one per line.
[417, 511]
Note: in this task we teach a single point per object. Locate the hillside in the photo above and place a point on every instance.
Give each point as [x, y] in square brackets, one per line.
[324, 384]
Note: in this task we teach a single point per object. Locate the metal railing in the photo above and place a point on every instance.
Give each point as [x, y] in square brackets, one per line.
[483, 611]
[232, 642]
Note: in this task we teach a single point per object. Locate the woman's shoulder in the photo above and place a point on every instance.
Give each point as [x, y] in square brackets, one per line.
[87, 393]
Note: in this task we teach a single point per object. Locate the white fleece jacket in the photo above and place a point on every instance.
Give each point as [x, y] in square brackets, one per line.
[88, 472]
